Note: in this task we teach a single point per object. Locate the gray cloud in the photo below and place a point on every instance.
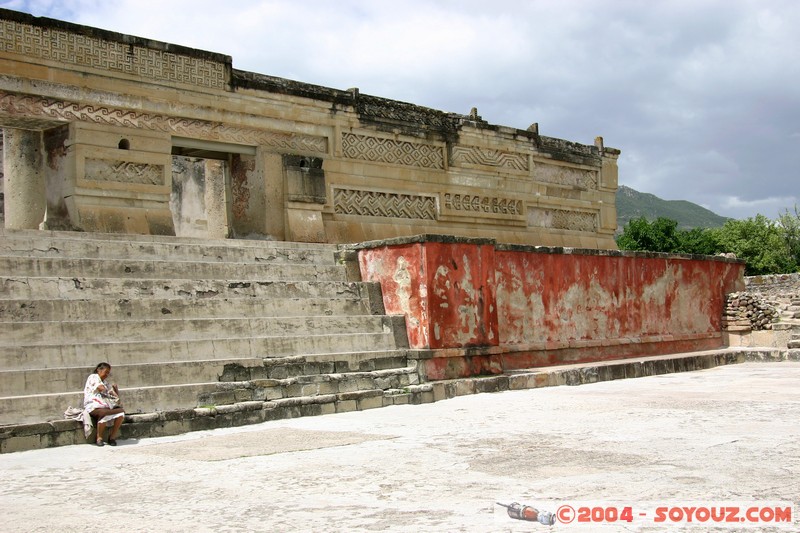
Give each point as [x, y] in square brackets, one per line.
[701, 96]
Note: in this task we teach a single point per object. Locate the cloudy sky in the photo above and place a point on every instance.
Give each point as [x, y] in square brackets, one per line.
[702, 97]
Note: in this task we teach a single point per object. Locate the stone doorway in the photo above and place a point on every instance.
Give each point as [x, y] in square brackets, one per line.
[216, 191]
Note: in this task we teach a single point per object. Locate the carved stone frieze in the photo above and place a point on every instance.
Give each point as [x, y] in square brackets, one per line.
[123, 172]
[14, 106]
[562, 219]
[368, 148]
[383, 204]
[563, 175]
[482, 204]
[472, 155]
[74, 48]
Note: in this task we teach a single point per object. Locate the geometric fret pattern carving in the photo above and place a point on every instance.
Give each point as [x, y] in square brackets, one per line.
[12, 105]
[561, 175]
[78, 49]
[562, 219]
[473, 155]
[482, 204]
[381, 150]
[123, 172]
[382, 204]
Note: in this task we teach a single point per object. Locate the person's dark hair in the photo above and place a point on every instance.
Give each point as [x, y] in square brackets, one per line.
[101, 366]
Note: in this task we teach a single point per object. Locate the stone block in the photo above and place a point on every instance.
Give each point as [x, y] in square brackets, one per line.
[328, 408]
[32, 429]
[19, 444]
[175, 426]
[311, 409]
[494, 384]
[146, 417]
[366, 365]
[279, 372]
[464, 386]
[397, 399]
[589, 374]
[370, 403]
[177, 414]
[135, 430]
[64, 438]
[439, 391]
[557, 378]
[572, 377]
[252, 406]
[518, 382]
[633, 370]
[223, 398]
[243, 395]
[345, 406]
[348, 385]
[616, 371]
[227, 409]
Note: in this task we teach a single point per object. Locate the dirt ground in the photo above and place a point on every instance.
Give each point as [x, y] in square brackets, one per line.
[728, 434]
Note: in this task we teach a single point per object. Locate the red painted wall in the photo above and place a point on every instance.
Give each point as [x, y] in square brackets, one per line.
[446, 291]
[508, 306]
[552, 299]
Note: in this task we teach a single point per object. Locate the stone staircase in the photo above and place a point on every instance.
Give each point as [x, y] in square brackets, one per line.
[792, 309]
[793, 346]
[190, 324]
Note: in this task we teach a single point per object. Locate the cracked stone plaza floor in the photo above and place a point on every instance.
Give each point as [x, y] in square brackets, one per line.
[727, 434]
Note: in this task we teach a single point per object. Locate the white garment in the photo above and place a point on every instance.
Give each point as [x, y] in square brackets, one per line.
[95, 399]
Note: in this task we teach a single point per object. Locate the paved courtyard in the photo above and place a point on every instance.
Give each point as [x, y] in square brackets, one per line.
[728, 434]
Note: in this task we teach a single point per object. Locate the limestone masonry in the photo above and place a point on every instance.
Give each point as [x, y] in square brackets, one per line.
[112, 133]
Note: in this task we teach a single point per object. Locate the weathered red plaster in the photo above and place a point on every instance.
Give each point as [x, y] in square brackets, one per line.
[538, 307]
[446, 291]
[545, 297]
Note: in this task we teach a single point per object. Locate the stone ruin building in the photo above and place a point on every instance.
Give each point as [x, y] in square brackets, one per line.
[146, 137]
[244, 248]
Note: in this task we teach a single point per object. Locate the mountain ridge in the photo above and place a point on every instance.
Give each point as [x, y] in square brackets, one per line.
[633, 204]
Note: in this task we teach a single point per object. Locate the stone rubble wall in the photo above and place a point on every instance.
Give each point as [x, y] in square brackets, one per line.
[775, 285]
[767, 300]
[748, 311]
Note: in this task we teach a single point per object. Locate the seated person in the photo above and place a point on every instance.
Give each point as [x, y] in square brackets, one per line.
[101, 401]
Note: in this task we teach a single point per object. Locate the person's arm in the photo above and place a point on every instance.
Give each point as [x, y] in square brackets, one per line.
[95, 384]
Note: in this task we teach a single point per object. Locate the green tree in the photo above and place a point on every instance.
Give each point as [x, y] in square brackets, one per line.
[760, 242]
[640, 234]
[790, 227]
[701, 241]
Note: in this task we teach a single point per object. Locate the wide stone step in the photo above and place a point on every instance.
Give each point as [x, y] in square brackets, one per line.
[100, 246]
[65, 380]
[26, 334]
[312, 385]
[80, 288]
[43, 407]
[13, 234]
[25, 409]
[62, 380]
[152, 308]
[134, 268]
[323, 363]
[87, 355]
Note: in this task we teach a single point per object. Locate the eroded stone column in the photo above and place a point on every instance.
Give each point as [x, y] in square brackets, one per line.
[216, 198]
[25, 200]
